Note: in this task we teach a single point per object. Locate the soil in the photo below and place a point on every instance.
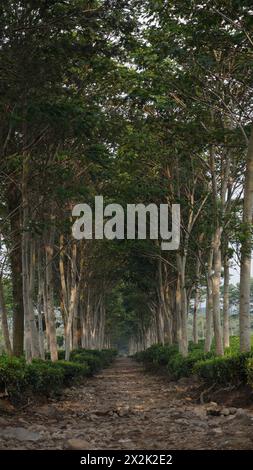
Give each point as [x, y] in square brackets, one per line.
[124, 407]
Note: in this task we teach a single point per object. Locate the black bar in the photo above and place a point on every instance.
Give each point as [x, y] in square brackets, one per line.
[111, 458]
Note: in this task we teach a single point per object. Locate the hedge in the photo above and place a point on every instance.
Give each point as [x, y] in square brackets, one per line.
[233, 368]
[169, 357]
[224, 370]
[19, 379]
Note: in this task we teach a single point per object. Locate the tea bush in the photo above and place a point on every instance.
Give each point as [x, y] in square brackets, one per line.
[224, 370]
[249, 371]
[19, 379]
[233, 368]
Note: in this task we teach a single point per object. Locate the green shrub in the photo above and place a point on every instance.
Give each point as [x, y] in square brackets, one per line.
[12, 375]
[61, 355]
[224, 370]
[180, 366]
[44, 377]
[72, 371]
[19, 379]
[95, 359]
[249, 371]
[169, 356]
[232, 368]
[157, 354]
[92, 360]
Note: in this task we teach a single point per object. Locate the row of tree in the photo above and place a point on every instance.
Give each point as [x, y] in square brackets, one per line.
[139, 101]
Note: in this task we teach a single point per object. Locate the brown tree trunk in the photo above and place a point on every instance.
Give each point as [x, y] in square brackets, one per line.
[49, 294]
[196, 304]
[4, 321]
[16, 270]
[246, 253]
[216, 280]
[226, 302]
[209, 304]
[72, 302]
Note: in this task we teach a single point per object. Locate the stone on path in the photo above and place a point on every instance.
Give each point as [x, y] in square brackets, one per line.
[77, 444]
[19, 433]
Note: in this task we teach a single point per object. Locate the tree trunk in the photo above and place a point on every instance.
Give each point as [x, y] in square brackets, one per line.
[16, 270]
[72, 303]
[4, 321]
[216, 280]
[39, 306]
[196, 304]
[49, 294]
[28, 270]
[226, 302]
[246, 248]
[182, 305]
[209, 304]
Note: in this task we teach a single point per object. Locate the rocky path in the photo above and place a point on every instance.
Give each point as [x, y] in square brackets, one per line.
[126, 408]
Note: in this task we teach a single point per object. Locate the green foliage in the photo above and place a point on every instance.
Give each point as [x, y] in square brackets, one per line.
[72, 371]
[95, 359]
[158, 354]
[43, 377]
[180, 366]
[19, 379]
[12, 374]
[249, 370]
[233, 368]
[223, 370]
[169, 356]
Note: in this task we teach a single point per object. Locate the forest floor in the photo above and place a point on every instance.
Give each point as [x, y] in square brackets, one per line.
[124, 407]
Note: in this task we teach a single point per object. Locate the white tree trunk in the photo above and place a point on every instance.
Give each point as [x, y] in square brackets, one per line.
[216, 281]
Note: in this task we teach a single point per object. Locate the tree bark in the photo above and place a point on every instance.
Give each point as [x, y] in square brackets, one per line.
[49, 294]
[16, 270]
[72, 303]
[226, 302]
[216, 280]
[4, 321]
[196, 304]
[209, 304]
[246, 252]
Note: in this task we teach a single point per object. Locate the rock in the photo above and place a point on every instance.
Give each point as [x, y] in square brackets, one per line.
[21, 434]
[184, 381]
[6, 406]
[48, 411]
[213, 411]
[77, 444]
[122, 412]
[93, 417]
[232, 410]
[234, 442]
[103, 412]
[243, 417]
[217, 430]
[225, 412]
[241, 412]
[199, 424]
[182, 421]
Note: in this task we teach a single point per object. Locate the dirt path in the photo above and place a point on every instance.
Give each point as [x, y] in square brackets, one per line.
[125, 408]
